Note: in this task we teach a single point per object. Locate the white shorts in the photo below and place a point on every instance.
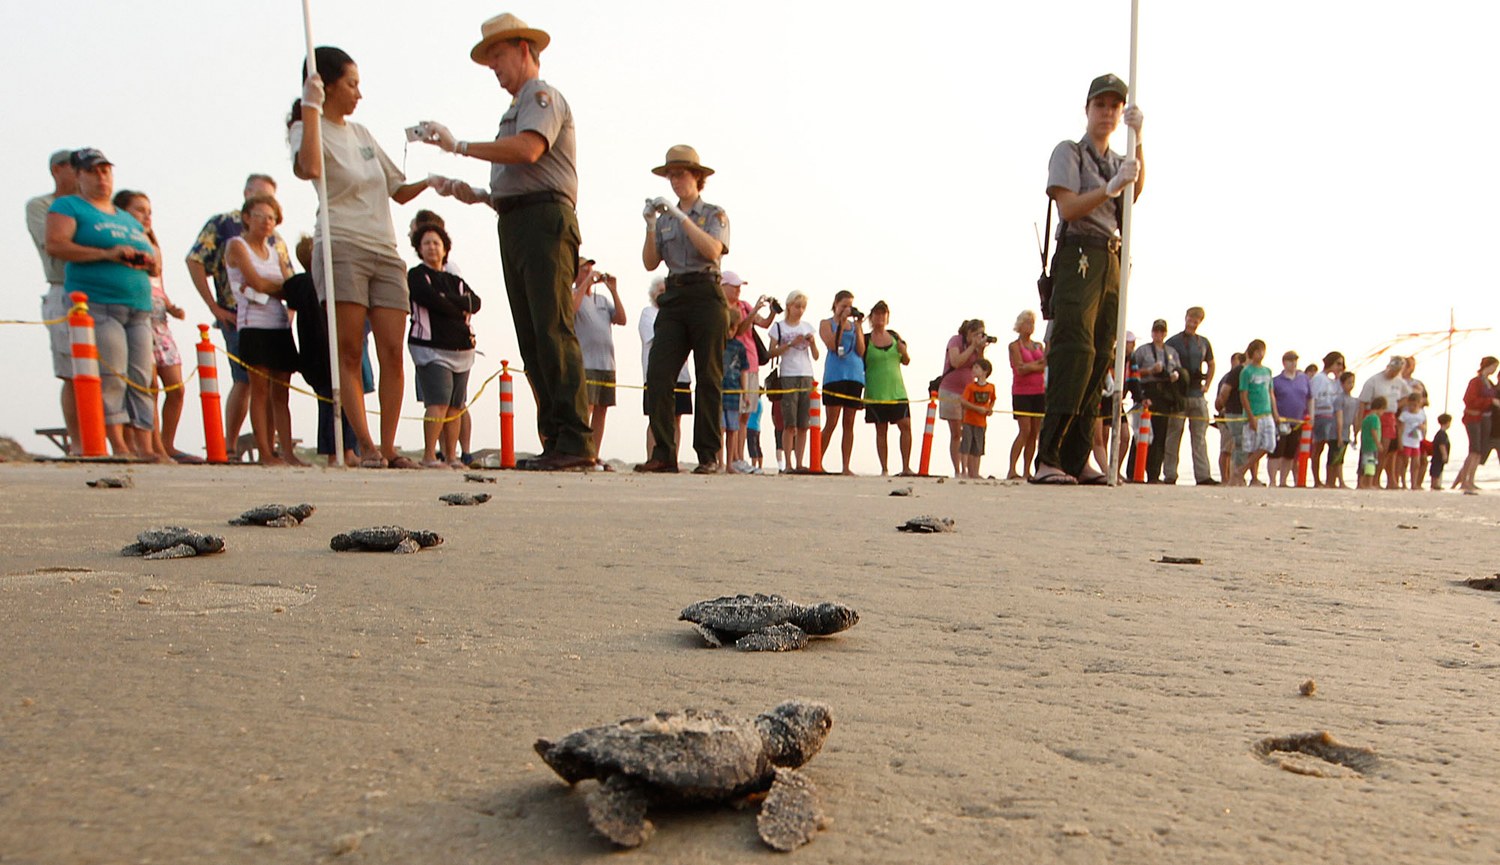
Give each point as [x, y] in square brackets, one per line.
[1262, 437]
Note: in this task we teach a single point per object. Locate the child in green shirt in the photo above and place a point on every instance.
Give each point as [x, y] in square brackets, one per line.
[1259, 402]
[1369, 444]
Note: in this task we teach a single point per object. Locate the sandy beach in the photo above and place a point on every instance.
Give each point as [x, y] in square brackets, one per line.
[1034, 687]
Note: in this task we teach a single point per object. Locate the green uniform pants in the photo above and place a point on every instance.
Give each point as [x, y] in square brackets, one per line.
[539, 254]
[693, 318]
[1085, 306]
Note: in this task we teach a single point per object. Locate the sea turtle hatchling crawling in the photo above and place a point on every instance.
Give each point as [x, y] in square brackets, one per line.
[274, 516]
[173, 542]
[465, 498]
[926, 525]
[477, 478]
[765, 623]
[384, 539]
[698, 756]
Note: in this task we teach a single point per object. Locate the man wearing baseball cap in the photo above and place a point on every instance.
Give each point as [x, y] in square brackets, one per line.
[1085, 178]
[55, 301]
[534, 188]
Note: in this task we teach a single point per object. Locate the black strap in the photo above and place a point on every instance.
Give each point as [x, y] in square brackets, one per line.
[1047, 235]
[1104, 172]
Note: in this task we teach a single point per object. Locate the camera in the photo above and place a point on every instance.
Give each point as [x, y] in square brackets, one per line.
[991, 339]
[855, 314]
[420, 132]
[775, 306]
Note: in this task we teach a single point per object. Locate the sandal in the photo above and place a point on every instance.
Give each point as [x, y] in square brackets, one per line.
[400, 462]
[372, 463]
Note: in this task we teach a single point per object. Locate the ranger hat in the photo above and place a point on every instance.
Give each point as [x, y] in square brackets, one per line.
[1108, 84]
[682, 156]
[60, 157]
[506, 26]
[1160, 324]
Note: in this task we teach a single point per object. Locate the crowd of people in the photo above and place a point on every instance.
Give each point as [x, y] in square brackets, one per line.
[744, 356]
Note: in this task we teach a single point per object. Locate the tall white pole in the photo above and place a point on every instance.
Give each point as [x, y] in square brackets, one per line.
[329, 305]
[1129, 197]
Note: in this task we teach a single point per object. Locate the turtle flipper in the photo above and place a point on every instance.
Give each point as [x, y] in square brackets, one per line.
[791, 814]
[716, 639]
[775, 638]
[617, 810]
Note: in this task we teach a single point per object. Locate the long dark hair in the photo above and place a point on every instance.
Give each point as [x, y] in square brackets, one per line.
[122, 201]
[331, 64]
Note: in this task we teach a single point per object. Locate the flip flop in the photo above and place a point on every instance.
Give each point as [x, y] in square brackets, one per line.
[372, 463]
[400, 462]
[1057, 479]
[1094, 480]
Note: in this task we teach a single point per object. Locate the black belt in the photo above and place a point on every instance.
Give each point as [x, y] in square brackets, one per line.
[516, 202]
[702, 277]
[1092, 241]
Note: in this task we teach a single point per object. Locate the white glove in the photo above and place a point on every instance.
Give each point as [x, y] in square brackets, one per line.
[648, 212]
[1133, 119]
[438, 134]
[1130, 169]
[674, 210]
[439, 184]
[312, 92]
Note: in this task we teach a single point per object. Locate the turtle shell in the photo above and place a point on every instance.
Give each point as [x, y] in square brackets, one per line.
[696, 754]
[740, 614]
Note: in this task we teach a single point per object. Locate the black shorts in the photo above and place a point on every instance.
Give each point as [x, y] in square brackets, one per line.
[887, 412]
[845, 394]
[1034, 404]
[271, 348]
[1288, 445]
[683, 399]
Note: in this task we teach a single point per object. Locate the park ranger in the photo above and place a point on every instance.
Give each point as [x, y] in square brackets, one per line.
[534, 188]
[691, 236]
[1086, 179]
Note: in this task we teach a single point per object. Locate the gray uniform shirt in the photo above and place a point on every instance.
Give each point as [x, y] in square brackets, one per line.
[1148, 356]
[541, 109]
[36, 223]
[1075, 166]
[677, 249]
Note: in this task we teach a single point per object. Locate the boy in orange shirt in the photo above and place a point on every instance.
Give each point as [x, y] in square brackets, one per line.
[979, 403]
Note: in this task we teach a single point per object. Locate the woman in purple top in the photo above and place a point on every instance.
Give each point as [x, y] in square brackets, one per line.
[1028, 391]
[1294, 401]
[958, 370]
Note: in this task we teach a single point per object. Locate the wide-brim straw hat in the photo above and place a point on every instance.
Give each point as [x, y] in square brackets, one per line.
[682, 156]
[506, 26]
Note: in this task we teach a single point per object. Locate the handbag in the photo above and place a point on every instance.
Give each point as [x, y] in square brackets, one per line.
[772, 381]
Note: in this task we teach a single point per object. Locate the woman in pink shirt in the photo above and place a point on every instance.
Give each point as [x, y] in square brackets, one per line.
[1028, 390]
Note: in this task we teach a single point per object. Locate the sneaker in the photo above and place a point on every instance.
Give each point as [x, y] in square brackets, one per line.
[706, 469]
[757, 470]
[742, 466]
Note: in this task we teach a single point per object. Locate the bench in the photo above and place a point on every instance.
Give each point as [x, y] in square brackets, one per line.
[58, 436]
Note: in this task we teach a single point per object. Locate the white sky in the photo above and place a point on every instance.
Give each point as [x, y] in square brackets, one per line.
[1302, 158]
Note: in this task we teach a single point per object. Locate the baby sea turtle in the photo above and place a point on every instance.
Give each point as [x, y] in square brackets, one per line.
[384, 539]
[465, 498]
[698, 756]
[173, 542]
[476, 477]
[926, 525]
[766, 623]
[111, 483]
[275, 516]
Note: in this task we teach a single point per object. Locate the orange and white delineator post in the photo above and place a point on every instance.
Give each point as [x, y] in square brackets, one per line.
[815, 432]
[88, 393]
[1142, 444]
[1304, 450]
[507, 417]
[208, 393]
[927, 433]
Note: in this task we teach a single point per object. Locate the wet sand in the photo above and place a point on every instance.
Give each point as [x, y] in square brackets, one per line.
[1031, 688]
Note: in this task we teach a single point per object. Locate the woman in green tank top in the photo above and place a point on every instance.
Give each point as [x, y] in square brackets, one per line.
[885, 391]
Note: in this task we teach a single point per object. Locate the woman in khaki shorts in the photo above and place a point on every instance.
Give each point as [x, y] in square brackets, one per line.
[369, 277]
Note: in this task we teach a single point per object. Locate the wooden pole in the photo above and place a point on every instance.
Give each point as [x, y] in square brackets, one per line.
[323, 237]
[1129, 196]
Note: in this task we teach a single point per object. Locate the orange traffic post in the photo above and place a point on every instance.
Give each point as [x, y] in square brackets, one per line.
[507, 417]
[87, 390]
[815, 432]
[208, 392]
[927, 433]
[1142, 444]
[1304, 450]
